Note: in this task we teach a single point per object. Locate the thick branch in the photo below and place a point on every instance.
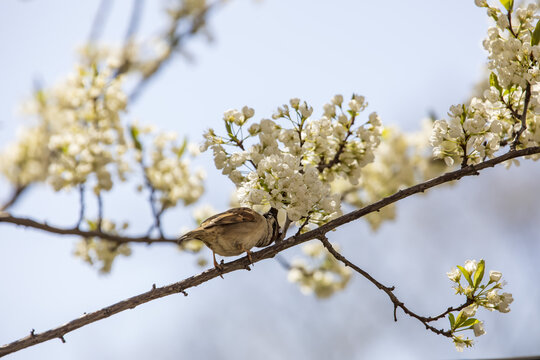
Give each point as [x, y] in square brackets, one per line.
[244, 262]
[7, 218]
[447, 177]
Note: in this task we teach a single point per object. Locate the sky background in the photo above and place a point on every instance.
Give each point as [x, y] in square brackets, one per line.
[406, 57]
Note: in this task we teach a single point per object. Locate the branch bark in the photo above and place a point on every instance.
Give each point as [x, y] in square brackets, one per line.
[13, 198]
[243, 263]
[8, 218]
[390, 292]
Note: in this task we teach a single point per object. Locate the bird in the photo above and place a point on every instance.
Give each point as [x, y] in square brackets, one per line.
[235, 231]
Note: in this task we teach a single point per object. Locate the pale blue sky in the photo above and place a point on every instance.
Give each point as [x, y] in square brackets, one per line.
[406, 57]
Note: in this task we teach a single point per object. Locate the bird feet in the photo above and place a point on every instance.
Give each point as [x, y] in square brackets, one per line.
[219, 267]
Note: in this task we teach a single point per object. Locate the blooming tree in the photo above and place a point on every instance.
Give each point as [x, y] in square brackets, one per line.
[301, 167]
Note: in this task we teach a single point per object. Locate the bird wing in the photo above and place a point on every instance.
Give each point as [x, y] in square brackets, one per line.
[233, 216]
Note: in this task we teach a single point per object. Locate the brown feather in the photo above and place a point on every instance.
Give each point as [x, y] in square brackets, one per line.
[233, 216]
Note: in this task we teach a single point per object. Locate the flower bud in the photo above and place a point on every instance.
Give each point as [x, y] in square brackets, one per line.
[495, 275]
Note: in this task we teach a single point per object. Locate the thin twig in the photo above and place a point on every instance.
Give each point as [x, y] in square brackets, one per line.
[100, 211]
[17, 192]
[523, 116]
[389, 291]
[306, 221]
[510, 28]
[99, 20]
[174, 41]
[81, 206]
[283, 233]
[266, 253]
[152, 200]
[283, 262]
[335, 159]
[131, 30]
[134, 19]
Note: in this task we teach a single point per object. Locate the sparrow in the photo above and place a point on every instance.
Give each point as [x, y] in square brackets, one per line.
[235, 231]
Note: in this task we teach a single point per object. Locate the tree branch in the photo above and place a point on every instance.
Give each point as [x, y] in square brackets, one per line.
[335, 159]
[450, 176]
[523, 118]
[389, 291]
[244, 262]
[99, 20]
[174, 40]
[8, 218]
[81, 206]
[14, 197]
[134, 19]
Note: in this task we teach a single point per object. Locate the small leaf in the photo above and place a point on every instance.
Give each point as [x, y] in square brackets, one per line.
[40, 97]
[466, 275]
[535, 38]
[134, 132]
[494, 81]
[469, 322]
[180, 151]
[479, 273]
[229, 129]
[459, 320]
[452, 320]
[508, 4]
[92, 225]
[95, 71]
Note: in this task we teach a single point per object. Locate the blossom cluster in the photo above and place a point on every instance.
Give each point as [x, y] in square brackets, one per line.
[402, 160]
[291, 167]
[78, 137]
[101, 251]
[167, 171]
[324, 276]
[506, 113]
[27, 160]
[478, 295]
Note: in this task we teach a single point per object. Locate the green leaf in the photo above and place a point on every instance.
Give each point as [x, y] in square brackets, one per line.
[459, 320]
[229, 130]
[92, 225]
[452, 320]
[134, 132]
[494, 81]
[469, 322]
[466, 275]
[95, 71]
[508, 4]
[40, 97]
[180, 151]
[479, 273]
[535, 38]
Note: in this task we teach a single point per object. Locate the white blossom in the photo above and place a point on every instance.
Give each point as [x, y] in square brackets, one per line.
[478, 329]
[470, 266]
[454, 275]
[495, 275]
